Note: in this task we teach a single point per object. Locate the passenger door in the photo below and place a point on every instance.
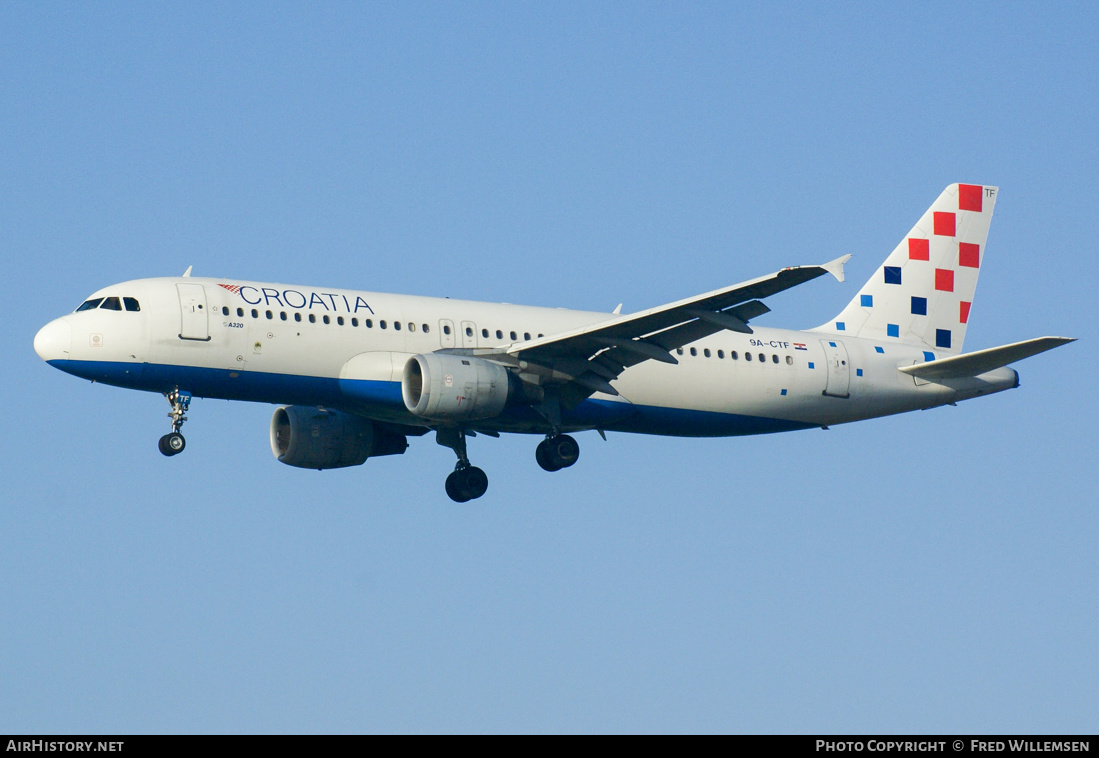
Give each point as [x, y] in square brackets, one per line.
[839, 370]
[194, 319]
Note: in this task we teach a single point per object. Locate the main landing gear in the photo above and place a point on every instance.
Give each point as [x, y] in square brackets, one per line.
[173, 442]
[557, 451]
[466, 482]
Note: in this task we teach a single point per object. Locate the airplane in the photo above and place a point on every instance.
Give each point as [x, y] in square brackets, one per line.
[355, 374]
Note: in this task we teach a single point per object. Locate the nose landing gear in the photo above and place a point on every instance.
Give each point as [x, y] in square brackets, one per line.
[173, 443]
[557, 451]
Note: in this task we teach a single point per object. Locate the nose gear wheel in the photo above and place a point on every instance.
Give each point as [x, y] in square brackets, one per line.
[173, 443]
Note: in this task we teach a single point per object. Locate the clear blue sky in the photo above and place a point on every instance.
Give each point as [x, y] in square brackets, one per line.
[932, 572]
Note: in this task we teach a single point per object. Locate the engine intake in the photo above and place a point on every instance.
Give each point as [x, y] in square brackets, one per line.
[316, 438]
[454, 387]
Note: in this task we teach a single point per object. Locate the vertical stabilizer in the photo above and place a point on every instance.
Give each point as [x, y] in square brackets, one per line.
[922, 293]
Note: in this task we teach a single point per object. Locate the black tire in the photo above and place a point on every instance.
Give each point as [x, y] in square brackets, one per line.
[172, 444]
[454, 489]
[474, 482]
[566, 450]
[544, 457]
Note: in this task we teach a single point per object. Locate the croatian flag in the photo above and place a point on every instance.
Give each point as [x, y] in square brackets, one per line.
[800, 346]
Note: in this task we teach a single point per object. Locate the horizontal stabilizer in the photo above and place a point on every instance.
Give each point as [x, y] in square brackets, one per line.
[982, 361]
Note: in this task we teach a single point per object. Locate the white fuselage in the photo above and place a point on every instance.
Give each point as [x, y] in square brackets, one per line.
[346, 350]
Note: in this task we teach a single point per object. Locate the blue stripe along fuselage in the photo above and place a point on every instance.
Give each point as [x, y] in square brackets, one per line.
[382, 400]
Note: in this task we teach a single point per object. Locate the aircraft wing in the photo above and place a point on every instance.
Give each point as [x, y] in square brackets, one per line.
[592, 356]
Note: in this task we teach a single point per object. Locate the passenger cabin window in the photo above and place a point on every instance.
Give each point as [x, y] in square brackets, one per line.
[111, 304]
[694, 351]
[382, 324]
[789, 361]
[397, 325]
[514, 336]
[426, 328]
[240, 312]
[774, 359]
[225, 310]
[747, 356]
[339, 320]
[90, 305]
[131, 304]
[446, 329]
[484, 333]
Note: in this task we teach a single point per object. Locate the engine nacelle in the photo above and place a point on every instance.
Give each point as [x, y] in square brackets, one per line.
[455, 387]
[315, 438]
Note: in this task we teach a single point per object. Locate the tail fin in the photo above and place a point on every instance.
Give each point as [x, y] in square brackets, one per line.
[922, 294]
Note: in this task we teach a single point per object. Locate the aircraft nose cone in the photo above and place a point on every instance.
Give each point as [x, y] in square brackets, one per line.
[53, 341]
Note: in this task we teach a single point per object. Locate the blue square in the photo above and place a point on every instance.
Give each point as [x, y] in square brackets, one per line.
[919, 306]
[858, 372]
[893, 330]
[811, 365]
[878, 349]
[840, 327]
[928, 356]
[784, 393]
[892, 274]
[833, 344]
[942, 338]
[867, 301]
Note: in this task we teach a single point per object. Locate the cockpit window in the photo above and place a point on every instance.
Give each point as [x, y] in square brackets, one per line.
[112, 304]
[131, 303]
[90, 304]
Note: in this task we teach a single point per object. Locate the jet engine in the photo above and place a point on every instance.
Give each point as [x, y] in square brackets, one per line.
[317, 438]
[458, 388]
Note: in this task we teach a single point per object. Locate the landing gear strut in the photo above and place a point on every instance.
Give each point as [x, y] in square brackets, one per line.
[557, 451]
[466, 482]
[173, 442]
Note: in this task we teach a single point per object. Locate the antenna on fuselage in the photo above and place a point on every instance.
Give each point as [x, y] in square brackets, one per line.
[188, 271]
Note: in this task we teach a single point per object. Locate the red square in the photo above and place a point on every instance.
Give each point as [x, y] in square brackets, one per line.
[969, 254]
[919, 250]
[944, 224]
[969, 197]
[963, 314]
[944, 279]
